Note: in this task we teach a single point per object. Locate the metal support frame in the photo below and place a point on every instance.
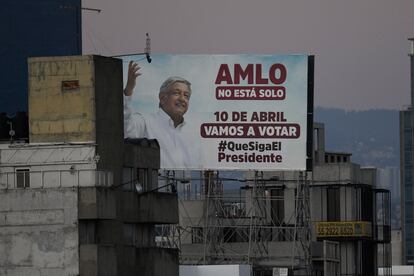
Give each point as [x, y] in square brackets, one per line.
[303, 228]
[254, 226]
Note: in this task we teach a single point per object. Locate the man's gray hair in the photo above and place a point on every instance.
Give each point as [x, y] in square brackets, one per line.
[171, 80]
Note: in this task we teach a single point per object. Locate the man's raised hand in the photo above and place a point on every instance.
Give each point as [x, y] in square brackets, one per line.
[133, 73]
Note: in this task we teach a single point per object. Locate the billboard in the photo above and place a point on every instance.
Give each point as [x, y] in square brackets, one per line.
[222, 112]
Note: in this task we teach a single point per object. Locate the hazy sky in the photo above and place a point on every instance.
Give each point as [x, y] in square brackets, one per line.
[360, 46]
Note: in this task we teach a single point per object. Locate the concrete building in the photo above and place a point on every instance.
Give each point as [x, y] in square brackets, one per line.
[389, 178]
[403, 270]
[349, 232]
[348, 208]
[78, 199]
[396, 246]
[407, 171]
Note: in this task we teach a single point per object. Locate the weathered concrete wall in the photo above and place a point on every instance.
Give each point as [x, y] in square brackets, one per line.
[52, 166]
[138, 235]
[58, 113]
[134, 151]
[157, 208]
[98, 260]
[369, 176]
[109, 115]
[337, 173]
[38, 232]
[396, 247]
[139, 213]
[97, 203]
[157, 261]
[79, 99]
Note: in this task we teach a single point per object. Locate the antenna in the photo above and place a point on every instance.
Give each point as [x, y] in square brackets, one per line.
[91, 9]
[147, 51]
[11, 131]
[412, 46]
[148, 48]
[73, 7]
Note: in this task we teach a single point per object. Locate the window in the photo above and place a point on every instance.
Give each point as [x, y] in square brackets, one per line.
[407, 119]
[87, 231]
[409, 193]
[367, 203]
[407, 157]
[154, 179]
[333, 210]
[142, 177]
[22, 178]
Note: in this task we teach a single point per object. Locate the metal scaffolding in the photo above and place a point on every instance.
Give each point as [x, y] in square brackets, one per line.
[249, 228]
[303, 232]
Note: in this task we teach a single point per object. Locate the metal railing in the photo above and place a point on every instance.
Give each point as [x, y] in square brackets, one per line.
[55, 179]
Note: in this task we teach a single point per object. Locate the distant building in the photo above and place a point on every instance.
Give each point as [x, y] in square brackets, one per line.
[33, 29]
[407, 172]
[348, 208]
[396, 245]
[389, 178]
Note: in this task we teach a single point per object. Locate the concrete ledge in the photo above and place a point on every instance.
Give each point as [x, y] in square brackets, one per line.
[99, 231]
[157, 261]
[154, 208]
[148, 261]
[97, 203]
[32, 217]
[134, 153]
[159, 208]
[97, 260]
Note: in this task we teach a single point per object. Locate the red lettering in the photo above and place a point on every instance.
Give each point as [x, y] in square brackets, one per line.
[239, 73]
[259, 78]
[253, 73]
[272, 73]
[224, 75]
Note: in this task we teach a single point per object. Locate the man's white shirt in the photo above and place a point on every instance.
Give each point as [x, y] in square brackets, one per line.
[178, 146]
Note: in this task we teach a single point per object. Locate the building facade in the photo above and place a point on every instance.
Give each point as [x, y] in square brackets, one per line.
[407, 184]
[78, 199]
[349, 209]
[34, 29]
[407, 172]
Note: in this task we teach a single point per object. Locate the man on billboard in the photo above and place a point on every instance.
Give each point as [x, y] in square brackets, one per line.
[167, 125]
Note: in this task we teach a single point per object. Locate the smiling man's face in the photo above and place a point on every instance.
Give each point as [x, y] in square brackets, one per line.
[175, 101]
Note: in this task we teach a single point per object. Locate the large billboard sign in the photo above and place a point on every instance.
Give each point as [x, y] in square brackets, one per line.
[222, 112]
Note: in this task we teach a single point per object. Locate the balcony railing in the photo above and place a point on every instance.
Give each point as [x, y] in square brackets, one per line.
[55, 179]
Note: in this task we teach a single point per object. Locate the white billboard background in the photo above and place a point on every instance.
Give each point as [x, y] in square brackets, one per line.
[201, 71]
